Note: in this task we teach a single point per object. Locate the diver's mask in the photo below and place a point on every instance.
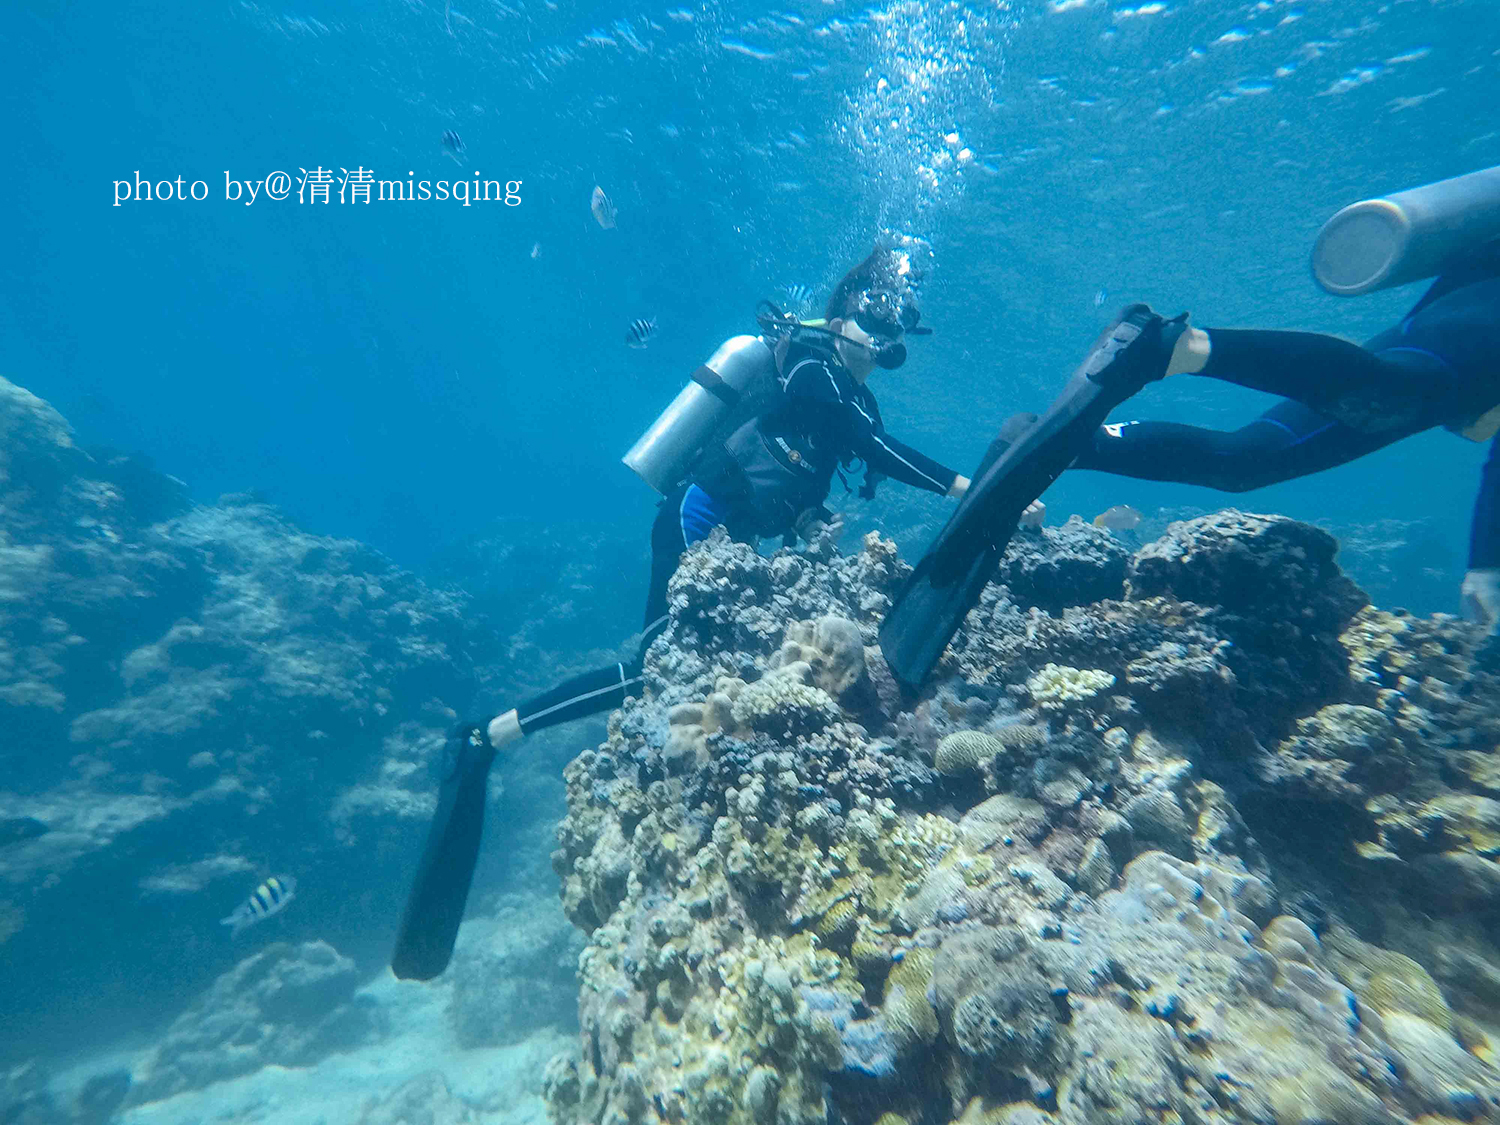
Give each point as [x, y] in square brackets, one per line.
[886, 318]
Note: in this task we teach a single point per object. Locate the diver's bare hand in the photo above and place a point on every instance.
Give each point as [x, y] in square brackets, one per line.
[820, 528]
[1035, 514]
[829, 531]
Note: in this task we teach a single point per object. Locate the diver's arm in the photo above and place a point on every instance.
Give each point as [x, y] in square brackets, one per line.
[901, 462]
[820, 388]
[866, 435]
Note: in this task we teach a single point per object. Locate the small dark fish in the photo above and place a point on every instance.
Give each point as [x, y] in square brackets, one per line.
[453, 144]
[640, 332]
[1122, 517]
[799, 296]
[271, 897]
[603, 208]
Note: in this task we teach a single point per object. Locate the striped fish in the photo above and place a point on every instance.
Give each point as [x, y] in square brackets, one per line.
[454, 145]
[799, 297]
[640, 332]
[271, 897]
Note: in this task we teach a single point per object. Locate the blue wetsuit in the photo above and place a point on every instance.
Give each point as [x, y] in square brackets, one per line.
[1439, 366]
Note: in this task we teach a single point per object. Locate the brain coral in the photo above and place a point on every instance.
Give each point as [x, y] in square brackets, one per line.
[967, 750]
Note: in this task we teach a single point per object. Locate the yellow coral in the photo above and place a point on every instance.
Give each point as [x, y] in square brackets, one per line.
[1386, 980]
[914, 847]
[908, 1012]
[1057, 684]
[836, 910]
[1473, 819]
[779, 702]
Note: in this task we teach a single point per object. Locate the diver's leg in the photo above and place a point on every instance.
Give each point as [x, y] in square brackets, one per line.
[1288, 441]
[678, 523]
[1293, 364]
[1396, 382]
[1439, 366]
[1481, 588]
[440, 889]
[683, 518]
[1461, 330]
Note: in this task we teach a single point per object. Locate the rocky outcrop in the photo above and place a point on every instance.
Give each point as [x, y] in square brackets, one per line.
[520, 977]
[1067, 883]
[284, 1006]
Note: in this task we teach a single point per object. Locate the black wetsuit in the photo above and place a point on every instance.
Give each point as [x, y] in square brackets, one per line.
[1439, 366]
[771, 470]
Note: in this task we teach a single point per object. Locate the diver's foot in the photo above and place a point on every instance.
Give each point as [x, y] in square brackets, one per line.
[505, 728]
[1137, 349]
[1191, 352]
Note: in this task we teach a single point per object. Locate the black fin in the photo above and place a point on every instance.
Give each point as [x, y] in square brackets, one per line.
[1017, 468]
[440, 890]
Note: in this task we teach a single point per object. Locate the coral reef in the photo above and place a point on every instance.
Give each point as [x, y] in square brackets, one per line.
[192, 698]
[1191, 833]
[1067, 883]
[1055, 567]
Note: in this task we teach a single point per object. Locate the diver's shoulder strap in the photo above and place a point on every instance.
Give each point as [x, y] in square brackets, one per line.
[783, 345]
[712, 382]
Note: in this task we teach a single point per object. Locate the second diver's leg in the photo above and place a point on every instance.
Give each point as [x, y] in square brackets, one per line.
[1288, 441]
[1384, 387]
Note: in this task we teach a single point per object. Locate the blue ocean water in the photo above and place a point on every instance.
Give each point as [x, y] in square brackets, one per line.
[415, 374]
[396, 372]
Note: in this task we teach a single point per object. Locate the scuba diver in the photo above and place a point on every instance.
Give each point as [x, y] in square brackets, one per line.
[1439, 366]
[751, 444]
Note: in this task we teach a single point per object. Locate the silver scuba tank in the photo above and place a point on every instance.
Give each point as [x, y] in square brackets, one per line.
[1380, 243]
[665, 452]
